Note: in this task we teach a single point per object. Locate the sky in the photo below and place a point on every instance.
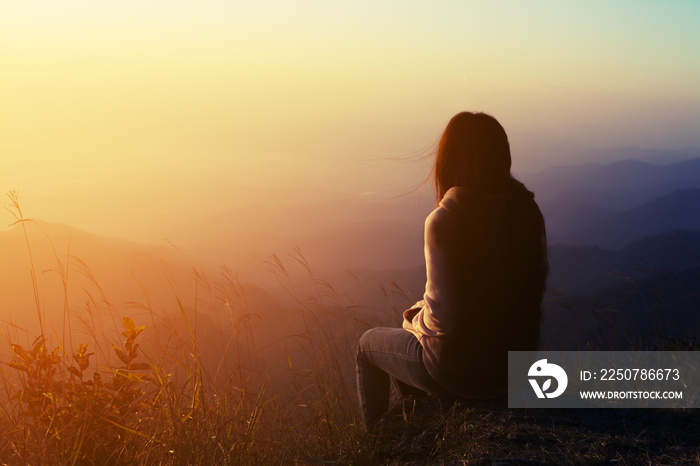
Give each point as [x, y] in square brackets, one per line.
[136, 118]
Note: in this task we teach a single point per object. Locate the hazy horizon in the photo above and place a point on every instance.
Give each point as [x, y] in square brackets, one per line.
[139, 121]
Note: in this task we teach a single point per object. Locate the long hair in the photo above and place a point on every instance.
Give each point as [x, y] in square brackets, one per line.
[474, 152]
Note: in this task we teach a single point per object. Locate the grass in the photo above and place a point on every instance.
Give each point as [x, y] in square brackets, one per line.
[116, 397]
[428, 432]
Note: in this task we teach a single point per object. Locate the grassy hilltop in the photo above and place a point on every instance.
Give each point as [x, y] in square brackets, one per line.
[221, 373]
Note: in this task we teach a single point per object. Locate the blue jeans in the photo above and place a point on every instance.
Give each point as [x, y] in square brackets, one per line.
[384, 353]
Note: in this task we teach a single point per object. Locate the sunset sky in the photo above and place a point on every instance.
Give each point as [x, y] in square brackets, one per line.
[130, 118]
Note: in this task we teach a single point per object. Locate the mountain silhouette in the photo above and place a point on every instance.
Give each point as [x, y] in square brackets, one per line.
[586, 270]
[618, 186]
[679, 210]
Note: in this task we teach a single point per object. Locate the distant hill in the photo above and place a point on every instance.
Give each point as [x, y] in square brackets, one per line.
[620, 185]
[564, 218]
[535, 153]
[586, 270]
[633, 314]
[332, 234]
[580, 202]
[679, 210]
[102, 274]
[108, 279]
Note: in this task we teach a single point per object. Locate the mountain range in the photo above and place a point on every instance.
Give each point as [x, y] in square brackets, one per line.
[609, 226]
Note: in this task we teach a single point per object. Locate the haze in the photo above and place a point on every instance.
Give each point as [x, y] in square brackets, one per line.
[154, 120]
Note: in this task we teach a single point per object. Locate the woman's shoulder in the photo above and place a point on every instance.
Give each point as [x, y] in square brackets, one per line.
[460, 201]
[460, 208]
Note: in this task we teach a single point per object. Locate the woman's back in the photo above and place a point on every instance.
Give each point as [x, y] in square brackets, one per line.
[485, 272]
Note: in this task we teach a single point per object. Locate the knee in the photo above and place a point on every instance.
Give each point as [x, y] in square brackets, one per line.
[364, 343]
[361, 345]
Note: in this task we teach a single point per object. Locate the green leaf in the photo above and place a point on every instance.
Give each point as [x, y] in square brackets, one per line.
[75, 372]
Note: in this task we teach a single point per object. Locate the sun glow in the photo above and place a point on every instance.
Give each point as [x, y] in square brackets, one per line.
[113, 110]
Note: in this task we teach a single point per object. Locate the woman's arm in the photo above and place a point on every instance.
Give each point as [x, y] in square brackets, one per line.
[434, 319]
[411, 312]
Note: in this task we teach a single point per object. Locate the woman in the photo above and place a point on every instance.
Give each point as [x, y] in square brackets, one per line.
[485, 253]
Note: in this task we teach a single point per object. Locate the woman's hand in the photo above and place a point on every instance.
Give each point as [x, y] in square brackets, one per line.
[409, 314]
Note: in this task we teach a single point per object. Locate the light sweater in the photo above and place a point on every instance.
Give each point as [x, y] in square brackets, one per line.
[437, 314]
[462, 322]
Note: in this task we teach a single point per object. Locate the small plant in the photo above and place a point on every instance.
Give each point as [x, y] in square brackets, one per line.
[68, 416]
[126, 383]
[37, 369]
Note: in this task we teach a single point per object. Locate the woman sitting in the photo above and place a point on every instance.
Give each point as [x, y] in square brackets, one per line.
[485, 254]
